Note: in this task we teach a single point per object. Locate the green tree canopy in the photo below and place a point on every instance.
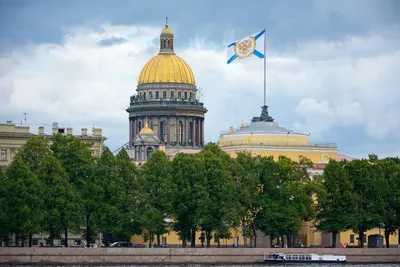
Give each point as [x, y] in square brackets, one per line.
[61, 200]
[23, 199]
[365, 177]
[188, 176]
[76, 158]
[335, 204]
[219, 207]
[156, 194]
[33, 152]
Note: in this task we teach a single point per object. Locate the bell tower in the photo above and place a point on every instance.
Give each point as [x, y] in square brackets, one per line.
[166, 39]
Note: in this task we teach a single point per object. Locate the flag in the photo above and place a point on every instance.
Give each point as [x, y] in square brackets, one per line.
[247, 47]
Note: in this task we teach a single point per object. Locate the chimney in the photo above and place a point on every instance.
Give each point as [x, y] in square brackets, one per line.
[84, 131]
[97, 132]
[69, 131]
[231, 129]
[9, 122]
[55, 128]
[41, 130]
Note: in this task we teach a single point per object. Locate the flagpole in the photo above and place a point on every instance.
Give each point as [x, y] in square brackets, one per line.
[265, 66]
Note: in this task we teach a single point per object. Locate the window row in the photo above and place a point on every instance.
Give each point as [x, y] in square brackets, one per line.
[165, 95]
[180, 133]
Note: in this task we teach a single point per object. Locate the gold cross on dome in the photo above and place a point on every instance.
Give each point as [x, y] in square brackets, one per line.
[166, 20]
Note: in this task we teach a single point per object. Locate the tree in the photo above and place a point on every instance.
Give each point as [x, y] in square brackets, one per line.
[248, 190]
[61, 201]
[218, 207]
[389, 197]
[23, 199]
[76, 158]
[104, 182]
[130, 202]
[285, 199]
[32, 154]
[4, 213]
[187, 173]
[156, 187]
[119, 210]
[364, 177]
[335, 202]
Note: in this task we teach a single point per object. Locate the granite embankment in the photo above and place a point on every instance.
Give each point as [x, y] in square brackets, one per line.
[179, 255]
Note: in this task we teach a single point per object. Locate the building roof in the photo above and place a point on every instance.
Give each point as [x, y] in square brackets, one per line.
[263, 127]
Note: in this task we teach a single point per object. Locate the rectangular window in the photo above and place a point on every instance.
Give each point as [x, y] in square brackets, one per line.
[185, 95]
[179, 94]
[172, 94]
[3, 154]
[164, 94]
[144, 95]
[157, 95]
[352, 239]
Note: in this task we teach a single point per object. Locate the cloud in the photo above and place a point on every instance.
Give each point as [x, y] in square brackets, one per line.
[113, 40]
[316, 86]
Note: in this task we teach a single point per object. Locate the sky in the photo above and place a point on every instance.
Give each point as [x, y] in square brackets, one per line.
[333, 67]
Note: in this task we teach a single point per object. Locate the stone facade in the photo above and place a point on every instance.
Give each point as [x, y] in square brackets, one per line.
[13, 137]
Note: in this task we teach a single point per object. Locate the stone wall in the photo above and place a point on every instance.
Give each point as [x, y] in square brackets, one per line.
[178, 255]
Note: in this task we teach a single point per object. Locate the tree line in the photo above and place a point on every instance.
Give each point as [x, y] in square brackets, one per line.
[59, 188]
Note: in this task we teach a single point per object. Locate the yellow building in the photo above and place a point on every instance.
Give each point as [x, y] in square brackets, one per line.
[13, 137]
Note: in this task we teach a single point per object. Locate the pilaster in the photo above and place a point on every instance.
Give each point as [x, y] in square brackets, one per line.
[186, 131]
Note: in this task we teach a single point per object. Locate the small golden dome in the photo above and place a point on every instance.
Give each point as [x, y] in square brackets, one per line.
[166, 68]
[166, 30]
[146, 129]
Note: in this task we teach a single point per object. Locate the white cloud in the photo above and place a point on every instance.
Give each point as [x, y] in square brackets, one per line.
[78, 83]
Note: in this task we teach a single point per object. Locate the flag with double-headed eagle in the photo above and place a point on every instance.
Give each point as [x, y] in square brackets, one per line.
[249, 46]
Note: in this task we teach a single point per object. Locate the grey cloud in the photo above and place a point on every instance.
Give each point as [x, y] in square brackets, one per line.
[112, 41]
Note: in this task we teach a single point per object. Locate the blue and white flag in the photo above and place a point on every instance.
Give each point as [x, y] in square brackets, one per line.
[247, 47]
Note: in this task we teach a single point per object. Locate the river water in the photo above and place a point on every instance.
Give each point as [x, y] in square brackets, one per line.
[224, 265]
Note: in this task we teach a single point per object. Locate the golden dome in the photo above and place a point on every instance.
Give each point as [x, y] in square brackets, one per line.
[166, 68]
[146, 129]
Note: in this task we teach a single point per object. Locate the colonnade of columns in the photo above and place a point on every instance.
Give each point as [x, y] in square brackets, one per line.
[192, 129]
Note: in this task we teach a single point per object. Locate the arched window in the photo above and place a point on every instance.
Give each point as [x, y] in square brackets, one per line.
[163, 131]
[168, 43]
[180, 133]
[149, 152]
[190, 136]
[165, 43]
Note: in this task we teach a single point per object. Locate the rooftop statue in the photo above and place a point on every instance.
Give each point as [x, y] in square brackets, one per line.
[264, 115]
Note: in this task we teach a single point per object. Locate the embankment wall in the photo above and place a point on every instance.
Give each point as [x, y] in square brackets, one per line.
[180, 255]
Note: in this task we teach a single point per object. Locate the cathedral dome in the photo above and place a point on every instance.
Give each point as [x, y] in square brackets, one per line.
[166, 67]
